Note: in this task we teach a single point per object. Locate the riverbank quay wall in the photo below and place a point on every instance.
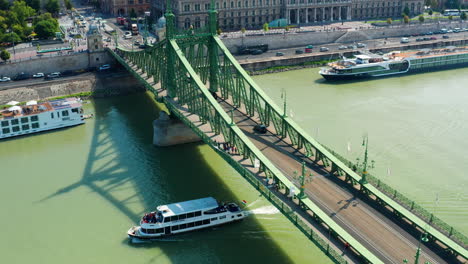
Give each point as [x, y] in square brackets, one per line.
[100, 85]
[282, 40]
[306, 60]
[68, 62]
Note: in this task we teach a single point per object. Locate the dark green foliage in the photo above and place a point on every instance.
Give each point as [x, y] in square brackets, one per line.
[4, 4]
[52, 6]
[463, 16]
[406, 11]
[68, 4]
[133, 13]
[11, 37]
[45, 29]
[35, 4]
[5, 55]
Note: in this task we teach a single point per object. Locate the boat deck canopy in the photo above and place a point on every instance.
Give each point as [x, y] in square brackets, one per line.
[188, 206]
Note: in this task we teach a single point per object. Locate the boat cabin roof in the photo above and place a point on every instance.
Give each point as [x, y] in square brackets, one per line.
[188, 206]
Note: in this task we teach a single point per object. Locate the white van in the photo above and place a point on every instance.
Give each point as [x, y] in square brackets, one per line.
[404, 40]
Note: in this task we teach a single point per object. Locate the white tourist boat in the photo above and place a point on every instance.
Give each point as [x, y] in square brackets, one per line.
[185, 216]
[36, 117]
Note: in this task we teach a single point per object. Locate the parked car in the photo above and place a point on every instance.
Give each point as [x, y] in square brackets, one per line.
[404, 40]
[257, 52]
[308, 49]
[445, 37]
[433, 38]
[5, 79]
[361, 45]
[261, 129]
[53, 75]
[299, 51]
[38, 75]
[323, 49]
[104, 67]
[352, 47]
[426, 38]
[419, 39]
[137, 43]
[21, 76]
[279, 54]
[342, 47]
[456, 30]
[430, 33]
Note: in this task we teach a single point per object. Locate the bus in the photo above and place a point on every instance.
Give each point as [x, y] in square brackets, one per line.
[454, 12]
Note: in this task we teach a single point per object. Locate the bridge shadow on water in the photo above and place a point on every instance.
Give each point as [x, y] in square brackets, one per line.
[133, 176]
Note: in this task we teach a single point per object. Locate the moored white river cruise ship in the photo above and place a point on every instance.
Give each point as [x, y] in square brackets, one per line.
[36, 117]
[185, 216]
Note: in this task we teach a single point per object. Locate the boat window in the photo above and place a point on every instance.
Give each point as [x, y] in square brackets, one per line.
[16, 129]
[198, 213]
[167, 219]
[183, 226]
[182, 216]
[65, 113]
[34, 118]
[25, 127]
[191, 224]
[174, 218]
[24, 120]
[175, 228]
[151, 231]
[214, 219]
[206, 221]
[198, 223]
[222, 217]
[51, 115]
[189, 215]
[58, 114]
[143, 230]
[5, 123]
[14, 122]
[6, 130]
[75, 110]
[239, 215]
[160, 230]
[35, 125]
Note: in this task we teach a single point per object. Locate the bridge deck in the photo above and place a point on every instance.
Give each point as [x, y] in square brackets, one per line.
[380, 235]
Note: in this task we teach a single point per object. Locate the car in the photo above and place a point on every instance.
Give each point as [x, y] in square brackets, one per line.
[419, 39]
[256, 52]
[414, 35]
[299, 51]
[323, 49]
[308, 49]
[104, 67]
[136, 43]
[361, 45]
[21, 76]
[444, 30]
[261, 129]
[342, 47]
[456, 30]
[5, 79]
[279, 54]
[404, 40]
[108, 39]
[406, 36]
[445, 37]
[127, 36]
[430, 33]
[38, 75]
[426, 38]
[449, 31]
[433, 38]
[142, 46]
[53, 75]
[352, 47]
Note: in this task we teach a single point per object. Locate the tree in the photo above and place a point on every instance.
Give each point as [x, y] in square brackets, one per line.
[450, 17]
[406, 19]
[22, 11]
[266, 27]
[5, 55]
[45, 29]
[406, 11]
[421, 18]
[243, 30]
[4, 4]
[52, 6]
[35, 4]
[434, 4]
[11, 37]
[68, 4]
[389, 21]
[133, 13]
[463, 16]
[430, 12]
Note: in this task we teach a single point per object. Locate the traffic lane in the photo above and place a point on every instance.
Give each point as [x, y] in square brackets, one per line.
[34, 81]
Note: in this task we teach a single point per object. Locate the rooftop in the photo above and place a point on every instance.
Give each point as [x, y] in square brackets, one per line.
[188, 206]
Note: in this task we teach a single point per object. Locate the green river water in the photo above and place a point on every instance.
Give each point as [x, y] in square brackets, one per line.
[69, 196]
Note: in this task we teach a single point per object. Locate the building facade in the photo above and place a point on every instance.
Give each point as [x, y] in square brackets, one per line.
[249, 14]
[124, 7]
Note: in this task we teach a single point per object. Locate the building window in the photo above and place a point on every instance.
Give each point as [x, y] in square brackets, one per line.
[246, 4]
[224, 4]
[253, 2]
[186, 8]
[239, 4]
[140, 1]
[197, 22]
[197, 7]
[207, 6]
[130, 2]
[187, 23]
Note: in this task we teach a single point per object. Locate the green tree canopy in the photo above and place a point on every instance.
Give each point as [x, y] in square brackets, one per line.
[406, 11]
[4, 4]
[5, 55]
[45, 29]
[133, 13]
[35, 4]
[430, 12]
[68, 4]
[11, 37]
[463, 16]
[450, 17]
[22, 11]
[389, 21]
[266, 27]
[421, 18]
[406, 19]
[52, 6]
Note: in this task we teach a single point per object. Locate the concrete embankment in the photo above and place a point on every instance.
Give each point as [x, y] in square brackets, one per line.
[100, 84]
[260, 66]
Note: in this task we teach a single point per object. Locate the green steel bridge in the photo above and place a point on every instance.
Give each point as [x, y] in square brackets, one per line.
[349, 214]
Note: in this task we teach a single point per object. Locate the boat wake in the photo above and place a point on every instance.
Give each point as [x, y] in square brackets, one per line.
[264, 210]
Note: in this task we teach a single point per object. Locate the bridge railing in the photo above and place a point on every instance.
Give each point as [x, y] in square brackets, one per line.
[194, 97]
[255, 100]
